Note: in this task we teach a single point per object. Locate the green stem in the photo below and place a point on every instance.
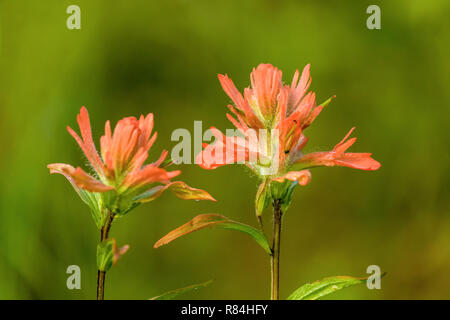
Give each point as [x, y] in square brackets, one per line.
[275, 257]
[101, 274]
[100, 284]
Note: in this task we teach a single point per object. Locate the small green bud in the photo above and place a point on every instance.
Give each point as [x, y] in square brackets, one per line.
[283, 191]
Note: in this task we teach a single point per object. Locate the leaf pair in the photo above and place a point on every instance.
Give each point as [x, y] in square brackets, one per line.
[214, 220]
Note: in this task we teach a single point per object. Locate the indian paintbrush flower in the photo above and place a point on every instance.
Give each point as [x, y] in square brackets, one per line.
[120, 179]
[271, 118]
[119, 174]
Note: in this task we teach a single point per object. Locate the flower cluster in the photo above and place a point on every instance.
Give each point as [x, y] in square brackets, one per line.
[120, 180]
[269, 107]
[271, 118]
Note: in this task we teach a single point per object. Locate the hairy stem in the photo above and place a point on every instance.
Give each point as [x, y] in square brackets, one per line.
[275, 257]
[104, 233]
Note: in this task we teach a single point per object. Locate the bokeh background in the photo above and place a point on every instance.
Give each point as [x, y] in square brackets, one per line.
[133, 57]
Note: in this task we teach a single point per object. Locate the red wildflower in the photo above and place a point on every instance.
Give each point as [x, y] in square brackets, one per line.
[121, 166]
[338, 157]
[284, 112]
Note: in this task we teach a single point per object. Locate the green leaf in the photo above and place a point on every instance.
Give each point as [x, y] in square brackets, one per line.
[174, 293]
[92, 199]
[108, 254]
[212, 220]
[105, 255]
[286, 201]
[283, 191]
[263, 198]
[179, 188]
[320, 288]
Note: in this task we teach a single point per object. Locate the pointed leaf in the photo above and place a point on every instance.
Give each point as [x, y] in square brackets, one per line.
[150, 194]
[174, 293]
[118, 252]
[320, 288]
[212, 220]
[183, 191]
[105, 255]
[179, 188]
[108, 254]
[286, 201]
[263, 198]
[93, 200]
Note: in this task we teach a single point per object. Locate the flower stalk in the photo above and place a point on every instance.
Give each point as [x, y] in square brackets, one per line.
[275, 257]
[104, 234]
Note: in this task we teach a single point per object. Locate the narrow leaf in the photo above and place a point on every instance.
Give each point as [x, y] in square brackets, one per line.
[263, 198]
[211, 220]
[286, 201]
[183, 191]
[118, 252]
[174, 293]
[179, 188]
[320, 288]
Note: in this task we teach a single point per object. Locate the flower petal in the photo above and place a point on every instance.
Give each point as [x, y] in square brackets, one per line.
[240, 103]
[78, 177]
[227, 150]
[303, 177]
[147, 175]
[315, 112]
[230, 89]
[297, 91]
[362, 161]
[338, 157]
[266, 84]
[87, 144]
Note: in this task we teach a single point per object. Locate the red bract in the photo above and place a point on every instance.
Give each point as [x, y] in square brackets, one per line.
[121, 166]
[271, 118]
[338, 157]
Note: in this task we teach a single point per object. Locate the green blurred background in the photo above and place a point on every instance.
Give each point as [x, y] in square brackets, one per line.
[133, 57]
